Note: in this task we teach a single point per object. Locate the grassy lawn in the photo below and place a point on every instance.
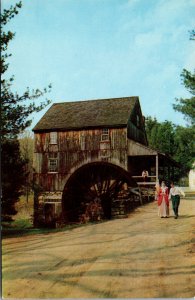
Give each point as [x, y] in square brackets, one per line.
[22, 223]
[22, 228]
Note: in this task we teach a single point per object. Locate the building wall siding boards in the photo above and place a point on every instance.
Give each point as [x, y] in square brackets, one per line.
[70, 153]
[136, 126]
[77, 146]
[136, 134]
[75, 134]
[70, 145]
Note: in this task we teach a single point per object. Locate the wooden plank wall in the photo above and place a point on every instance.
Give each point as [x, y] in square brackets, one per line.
[73, 148]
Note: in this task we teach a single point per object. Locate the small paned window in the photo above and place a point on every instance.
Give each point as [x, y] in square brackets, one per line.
[53, 162]
[105, 134]
[53, 138]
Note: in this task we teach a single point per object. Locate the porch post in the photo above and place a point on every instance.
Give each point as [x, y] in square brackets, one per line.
[169, 177]
[156, 167]
[163, 161]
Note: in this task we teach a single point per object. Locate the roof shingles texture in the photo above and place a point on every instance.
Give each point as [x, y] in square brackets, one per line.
[86, 114]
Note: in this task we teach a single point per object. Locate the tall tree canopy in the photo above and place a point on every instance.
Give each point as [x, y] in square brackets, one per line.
[161, 135]
[15, 112]
[187, 106]
[15, 108]
[13, 176]
[176, 141]
[26, 142]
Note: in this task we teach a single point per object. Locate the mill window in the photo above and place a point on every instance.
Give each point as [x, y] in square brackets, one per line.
[105, 134]
[53, 138]
[53, 162]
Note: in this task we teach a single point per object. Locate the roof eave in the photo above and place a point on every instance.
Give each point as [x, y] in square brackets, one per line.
[36, 130]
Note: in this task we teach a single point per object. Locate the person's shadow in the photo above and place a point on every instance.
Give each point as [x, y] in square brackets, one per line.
[185, 216]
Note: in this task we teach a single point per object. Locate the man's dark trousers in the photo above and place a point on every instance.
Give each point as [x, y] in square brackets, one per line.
[175, 204]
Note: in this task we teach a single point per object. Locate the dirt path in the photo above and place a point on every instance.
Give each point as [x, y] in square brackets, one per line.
[139, 257]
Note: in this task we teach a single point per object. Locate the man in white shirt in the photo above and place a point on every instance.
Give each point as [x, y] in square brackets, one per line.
[174, 196]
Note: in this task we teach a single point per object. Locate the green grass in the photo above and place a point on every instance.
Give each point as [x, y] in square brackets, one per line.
[22, 223]
[17, 224]
[23, 228]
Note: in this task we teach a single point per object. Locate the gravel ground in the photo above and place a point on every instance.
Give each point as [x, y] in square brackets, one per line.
[138, 257]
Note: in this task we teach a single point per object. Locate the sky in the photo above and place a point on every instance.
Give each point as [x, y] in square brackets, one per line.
[98, 49]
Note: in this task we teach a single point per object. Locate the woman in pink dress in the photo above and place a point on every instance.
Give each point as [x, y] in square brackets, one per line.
[163, 201]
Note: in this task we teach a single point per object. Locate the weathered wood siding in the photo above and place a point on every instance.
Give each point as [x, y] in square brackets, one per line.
[137, 149]
[136, 126]
[135, 133]
[74, 148]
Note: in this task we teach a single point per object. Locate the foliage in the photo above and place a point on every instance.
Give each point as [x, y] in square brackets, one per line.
[161, 135]
[6, 37]
[15, 112]
[26, 142]
[13, 176]
[15, 108]
[184, 147]
[187, 106]
[176, 141]
[192, 34]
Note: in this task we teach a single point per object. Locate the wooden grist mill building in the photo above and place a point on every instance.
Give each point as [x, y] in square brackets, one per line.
[88, 160]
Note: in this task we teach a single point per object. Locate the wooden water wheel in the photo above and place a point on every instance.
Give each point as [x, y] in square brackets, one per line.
[91, 191]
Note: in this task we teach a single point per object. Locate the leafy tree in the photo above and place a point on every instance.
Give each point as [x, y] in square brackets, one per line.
[176, 141]
[187, 106]
[161, 135]
[184, 148]
[192, 35]
[12, 176]
[26, 142]
[151, 125]
[15, 108]
[15, 112]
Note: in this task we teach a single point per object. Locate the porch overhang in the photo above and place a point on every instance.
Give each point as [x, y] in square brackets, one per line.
[159, 164]
[137, 149]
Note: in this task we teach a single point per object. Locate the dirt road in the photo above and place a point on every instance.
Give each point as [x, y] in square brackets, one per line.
[138, 257]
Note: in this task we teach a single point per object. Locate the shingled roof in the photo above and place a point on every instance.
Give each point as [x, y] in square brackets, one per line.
[113, 112]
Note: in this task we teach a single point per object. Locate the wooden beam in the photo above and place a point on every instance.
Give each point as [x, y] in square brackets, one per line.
[146, 183]
[157, 166]
[142, 176]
